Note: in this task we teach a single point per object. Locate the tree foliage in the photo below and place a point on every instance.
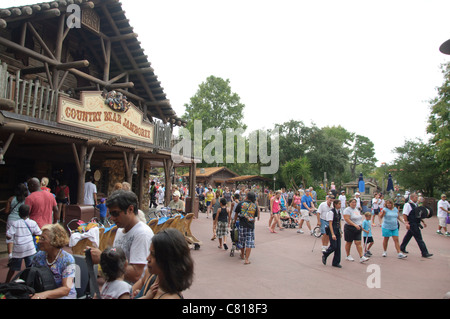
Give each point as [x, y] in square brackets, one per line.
[417, 168]
[439, 120]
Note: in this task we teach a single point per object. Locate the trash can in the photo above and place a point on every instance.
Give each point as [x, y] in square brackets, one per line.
[80, 212]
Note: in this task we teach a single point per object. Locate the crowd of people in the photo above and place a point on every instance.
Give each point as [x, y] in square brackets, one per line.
[338, 217]
[141, 264]
[135, 257]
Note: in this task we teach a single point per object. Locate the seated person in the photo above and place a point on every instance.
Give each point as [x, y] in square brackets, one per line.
[176, 203]
[284, 216]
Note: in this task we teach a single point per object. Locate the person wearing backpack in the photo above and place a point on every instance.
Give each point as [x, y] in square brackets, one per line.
[413, 226]
[247, 212]
[21, 234]
[61, 263]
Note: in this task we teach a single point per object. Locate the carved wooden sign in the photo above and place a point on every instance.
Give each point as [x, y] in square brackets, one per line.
[93, 113]
[91, 20]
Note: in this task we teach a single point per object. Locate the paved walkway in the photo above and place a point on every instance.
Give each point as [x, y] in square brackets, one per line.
[283, 266]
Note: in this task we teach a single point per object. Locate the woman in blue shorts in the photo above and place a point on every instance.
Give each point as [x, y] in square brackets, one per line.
[390, 227]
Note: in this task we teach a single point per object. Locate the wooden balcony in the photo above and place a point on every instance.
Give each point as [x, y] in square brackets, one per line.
[38, 102]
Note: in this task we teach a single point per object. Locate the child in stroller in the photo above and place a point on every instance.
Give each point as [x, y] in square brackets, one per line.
[289, 217]
[294, 218]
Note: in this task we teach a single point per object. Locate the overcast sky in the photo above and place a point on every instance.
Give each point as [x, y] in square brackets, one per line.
[370, 66]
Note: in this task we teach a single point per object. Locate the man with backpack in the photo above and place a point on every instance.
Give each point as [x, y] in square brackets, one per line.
[412, 223]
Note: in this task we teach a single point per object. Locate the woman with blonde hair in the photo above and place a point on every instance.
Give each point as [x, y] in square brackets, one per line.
[61, 263]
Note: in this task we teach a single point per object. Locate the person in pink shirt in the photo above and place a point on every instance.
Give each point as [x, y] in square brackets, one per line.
[42, 204]
[275, 210]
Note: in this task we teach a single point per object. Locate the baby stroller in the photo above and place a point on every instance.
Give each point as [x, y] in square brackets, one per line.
[234, 235]
[293, 215]
[201, 203]
[285, 219]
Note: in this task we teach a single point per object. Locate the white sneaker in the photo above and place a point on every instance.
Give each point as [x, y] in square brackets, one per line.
[300, 231]
[401, 256]
[349, 258]
[324, 248]
[363, 259]
[384, 254]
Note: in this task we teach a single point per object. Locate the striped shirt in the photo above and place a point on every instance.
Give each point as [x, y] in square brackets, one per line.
[22, 238]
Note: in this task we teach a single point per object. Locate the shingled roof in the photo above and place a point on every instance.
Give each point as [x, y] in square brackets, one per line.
[128, 55]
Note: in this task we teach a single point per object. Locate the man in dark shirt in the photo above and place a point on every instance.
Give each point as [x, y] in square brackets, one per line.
[247, 211]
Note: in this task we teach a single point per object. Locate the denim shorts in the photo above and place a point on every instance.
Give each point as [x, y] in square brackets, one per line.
[323, 225]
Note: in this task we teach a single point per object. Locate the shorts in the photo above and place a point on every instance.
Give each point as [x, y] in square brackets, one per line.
[442, 221]
[275, 213]
[389, 233]
[15, 264]
[305, 215]
[368, 240]
[351, 233]
[246, 238]
[375, 211]
[222, 230]
[208, 203]
[323, 225]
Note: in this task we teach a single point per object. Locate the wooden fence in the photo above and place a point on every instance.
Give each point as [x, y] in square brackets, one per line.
[31, 98]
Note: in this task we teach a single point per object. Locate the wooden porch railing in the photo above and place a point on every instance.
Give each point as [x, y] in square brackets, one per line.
[31, 98]
[40, 101]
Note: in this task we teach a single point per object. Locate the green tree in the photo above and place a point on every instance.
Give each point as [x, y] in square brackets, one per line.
[216, 106]
[362, 156]
[296, 172]
[292, 138]
[417, 168]
[439, 120]
[326, 154]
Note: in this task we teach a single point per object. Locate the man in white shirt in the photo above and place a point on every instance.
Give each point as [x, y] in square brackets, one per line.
[443, 211]
[90, 192]
[413, 226]
[133, 236]
[343, 200]
[322, 213]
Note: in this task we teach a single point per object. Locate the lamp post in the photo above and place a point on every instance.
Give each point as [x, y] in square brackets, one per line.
[274, 180]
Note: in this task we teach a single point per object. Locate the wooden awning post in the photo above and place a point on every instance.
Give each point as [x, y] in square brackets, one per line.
[81, 169]
[192, 183]
[168, 168]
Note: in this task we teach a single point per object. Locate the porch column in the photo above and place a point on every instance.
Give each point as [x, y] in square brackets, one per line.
[168, 169]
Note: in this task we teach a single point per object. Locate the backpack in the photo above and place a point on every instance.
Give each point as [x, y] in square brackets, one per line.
[423, 212]
[16, 290]
[40, 278]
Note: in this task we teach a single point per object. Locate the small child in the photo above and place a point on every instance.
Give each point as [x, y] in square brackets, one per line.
[103, 209]
[21, 233]
[114, 263]
[367, 234]
[223, 222]
[284, 216]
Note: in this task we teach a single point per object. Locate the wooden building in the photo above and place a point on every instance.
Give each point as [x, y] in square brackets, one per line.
[213, 176]
[79, 96]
